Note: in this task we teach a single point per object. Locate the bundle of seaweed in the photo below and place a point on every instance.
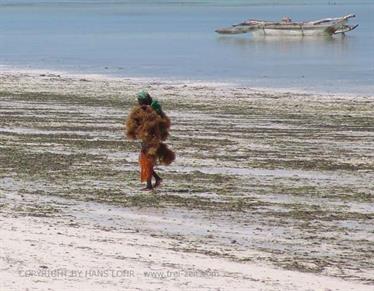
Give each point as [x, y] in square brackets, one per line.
[165, 155]
[145, 124]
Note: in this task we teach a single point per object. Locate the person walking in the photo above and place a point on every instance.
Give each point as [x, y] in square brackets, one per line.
[148, 123]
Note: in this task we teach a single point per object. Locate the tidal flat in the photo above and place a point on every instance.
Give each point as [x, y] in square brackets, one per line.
[277, 179]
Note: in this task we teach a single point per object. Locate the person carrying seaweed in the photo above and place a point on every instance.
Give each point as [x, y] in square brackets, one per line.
[148, 123]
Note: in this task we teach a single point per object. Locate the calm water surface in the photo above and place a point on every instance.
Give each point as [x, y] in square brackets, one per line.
[176, 40]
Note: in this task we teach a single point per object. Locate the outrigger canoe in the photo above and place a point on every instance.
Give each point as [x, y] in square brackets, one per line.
[286, 27]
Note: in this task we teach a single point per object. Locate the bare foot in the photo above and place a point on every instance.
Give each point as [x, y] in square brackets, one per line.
[147, 189]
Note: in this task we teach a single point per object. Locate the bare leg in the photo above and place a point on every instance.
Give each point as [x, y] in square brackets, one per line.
[149, 184]
[158, 179]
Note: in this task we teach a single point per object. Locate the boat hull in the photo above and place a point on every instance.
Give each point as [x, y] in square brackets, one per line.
[290, 32]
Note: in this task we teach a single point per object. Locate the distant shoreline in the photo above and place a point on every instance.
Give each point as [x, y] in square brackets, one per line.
[144, 81]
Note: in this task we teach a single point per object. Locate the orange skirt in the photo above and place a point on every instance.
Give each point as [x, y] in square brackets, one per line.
[147, 163]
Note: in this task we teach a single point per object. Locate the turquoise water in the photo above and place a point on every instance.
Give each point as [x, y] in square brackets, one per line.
[176, 40]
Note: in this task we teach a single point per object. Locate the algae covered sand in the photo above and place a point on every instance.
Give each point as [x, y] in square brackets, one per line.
[279, 179]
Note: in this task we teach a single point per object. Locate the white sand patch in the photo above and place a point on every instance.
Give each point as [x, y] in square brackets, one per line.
[76, 252]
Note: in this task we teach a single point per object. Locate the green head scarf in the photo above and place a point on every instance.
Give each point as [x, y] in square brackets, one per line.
[156, 106]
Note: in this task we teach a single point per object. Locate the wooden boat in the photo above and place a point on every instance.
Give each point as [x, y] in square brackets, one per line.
[286, 27]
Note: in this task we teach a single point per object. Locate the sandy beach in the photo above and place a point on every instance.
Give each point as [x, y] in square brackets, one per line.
[271, 190]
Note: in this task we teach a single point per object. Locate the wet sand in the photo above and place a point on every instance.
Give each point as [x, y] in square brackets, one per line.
[270, 190]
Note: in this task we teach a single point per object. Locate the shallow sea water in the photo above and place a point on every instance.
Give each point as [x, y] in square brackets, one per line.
[176, 40]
